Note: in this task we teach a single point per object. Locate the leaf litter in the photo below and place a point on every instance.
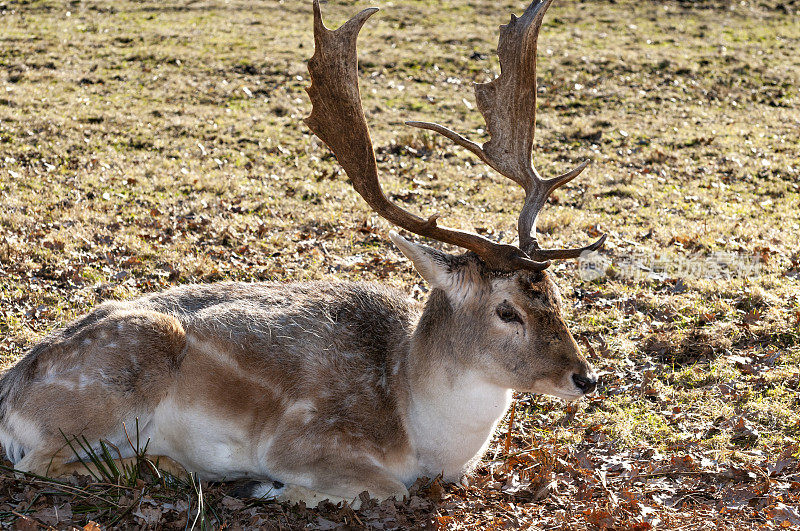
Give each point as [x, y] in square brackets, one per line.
[695, 423]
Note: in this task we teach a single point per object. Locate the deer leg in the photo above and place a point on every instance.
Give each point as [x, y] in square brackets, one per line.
[312, 498]
[99, 382]
[62, 463]
[337, 482]
[41, 463]
[161, 463]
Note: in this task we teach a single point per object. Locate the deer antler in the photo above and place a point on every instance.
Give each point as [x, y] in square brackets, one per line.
[338, 119]
[508, 105]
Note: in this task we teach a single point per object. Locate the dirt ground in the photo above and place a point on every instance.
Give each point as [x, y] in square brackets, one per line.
[148, 144]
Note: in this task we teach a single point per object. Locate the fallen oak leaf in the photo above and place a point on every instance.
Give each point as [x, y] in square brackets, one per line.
[780, 465]
[735, 499]
[750, 318]
[744, 432]
[24, 523]
[783, 514]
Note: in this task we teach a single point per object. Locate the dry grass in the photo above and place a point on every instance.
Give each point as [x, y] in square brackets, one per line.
[144, 145]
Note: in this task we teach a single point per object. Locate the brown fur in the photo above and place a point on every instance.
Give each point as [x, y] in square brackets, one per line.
[314, 385]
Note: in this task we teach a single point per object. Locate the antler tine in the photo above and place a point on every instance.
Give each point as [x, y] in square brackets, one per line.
[338, 119]
[534, 202]
[508, 105]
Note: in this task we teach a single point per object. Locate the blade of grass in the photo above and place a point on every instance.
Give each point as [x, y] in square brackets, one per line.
[78, 455]
[96, 460]
[109, 460]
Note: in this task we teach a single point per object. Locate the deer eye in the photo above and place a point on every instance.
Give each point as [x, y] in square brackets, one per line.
[508, 314]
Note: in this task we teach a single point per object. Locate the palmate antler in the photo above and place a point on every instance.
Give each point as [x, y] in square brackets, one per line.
[508, 105]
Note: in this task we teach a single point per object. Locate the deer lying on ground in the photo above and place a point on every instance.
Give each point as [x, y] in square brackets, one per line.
[324, 390]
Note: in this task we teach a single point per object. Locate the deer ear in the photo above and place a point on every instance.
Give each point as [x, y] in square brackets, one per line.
[433, 265]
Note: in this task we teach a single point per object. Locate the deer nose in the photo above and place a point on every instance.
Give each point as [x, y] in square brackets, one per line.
[584, 383]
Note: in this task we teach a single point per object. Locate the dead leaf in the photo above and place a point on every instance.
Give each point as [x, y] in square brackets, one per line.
[54, 514]
[736, 499]
[25, 523]
[780, 465]
[743, 431]
[233, 504]
[150, 514]
[752, 317]
[783, 514]
[601, 518]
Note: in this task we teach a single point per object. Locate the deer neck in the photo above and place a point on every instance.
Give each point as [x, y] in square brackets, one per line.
[453, 408]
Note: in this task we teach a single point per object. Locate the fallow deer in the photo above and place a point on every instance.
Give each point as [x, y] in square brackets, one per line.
[324, 390]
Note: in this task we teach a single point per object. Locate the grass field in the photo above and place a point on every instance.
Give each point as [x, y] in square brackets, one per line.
[148, 144]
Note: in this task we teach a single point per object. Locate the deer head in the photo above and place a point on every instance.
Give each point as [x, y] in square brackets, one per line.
[496, 304]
